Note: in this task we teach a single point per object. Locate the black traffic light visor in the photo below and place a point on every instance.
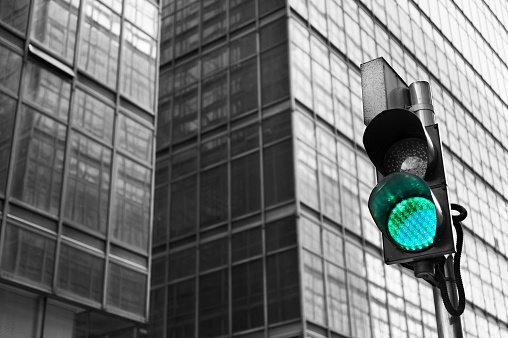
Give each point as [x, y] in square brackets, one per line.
[390, 127]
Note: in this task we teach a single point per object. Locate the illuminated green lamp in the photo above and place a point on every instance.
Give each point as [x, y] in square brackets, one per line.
[404, 209]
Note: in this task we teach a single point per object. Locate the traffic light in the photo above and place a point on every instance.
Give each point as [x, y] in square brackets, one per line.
[410, 203]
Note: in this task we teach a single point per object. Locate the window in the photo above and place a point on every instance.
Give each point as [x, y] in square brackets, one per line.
[186, 29]
[213, 304]
[28, 256]
[127, 289]
[134, 138]
[183, 207]
[314, 288]
[359, 306]
[214, 94]
[10, 65]
[18, 315]
[39, 161]
[276, 127]
[181, 263]
[243, 87]
[214, 19]
[15, 13]
[132, 207]
[185, 113]
[100, 40]
[7, 116]
[47, 90]
[278, 173]
[280, 234]
[337, 299]
[245, 185]
[213, 254]
[55, 24]
[87, 193]
[181, 309]
[81, 273]
[93, 116]
[247, 295]
[330, 195]
[144, 15]
[244, 139]
[241, 12]
[214, 151]
[214, 196]
[274, 74]
[283, 292]
[139, 66]
[307, 175]
[246, 244]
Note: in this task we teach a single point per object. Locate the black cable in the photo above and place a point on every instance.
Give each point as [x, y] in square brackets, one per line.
[456, 266]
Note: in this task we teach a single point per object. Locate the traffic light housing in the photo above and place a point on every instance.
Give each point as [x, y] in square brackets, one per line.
[410, 203]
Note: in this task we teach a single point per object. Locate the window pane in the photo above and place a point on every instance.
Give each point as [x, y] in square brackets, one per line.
[18, 315]
[127, 289]
[92, 115]
[134, 138]
[337, 299]
[214, 151]
[185, 114]
[15, 13]
[182, 264]
[10, 66]
[273, 34]
[280, 234]
[359, 306]
[330, 195]
[244, 139]
[214, 19]
[55, 24]
[245, 185]
[161, 215]
[28, 256]
[144, 15]
[183, 207]
[243, 87]
[247, 295]
[214, 100]
[307, 175]
[213, 254]
[214, 196]
[241, 12]
[266, 6]
[39, 161]
[276, 127]
[100, 39]
[279, 184]
[283, 292]
[132, 207]
[182, 309]
[242, 47]
[246, 244]
[139, 66]
[186, 29]
[314, 288]
[213, 304]
[81, 273]
[7, 116]
[274, 74]
[47, 90]
[87, 193]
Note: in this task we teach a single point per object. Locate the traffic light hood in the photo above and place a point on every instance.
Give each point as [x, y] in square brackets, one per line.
[396, 141]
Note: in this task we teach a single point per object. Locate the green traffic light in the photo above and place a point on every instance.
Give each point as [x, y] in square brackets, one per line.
[412, 223]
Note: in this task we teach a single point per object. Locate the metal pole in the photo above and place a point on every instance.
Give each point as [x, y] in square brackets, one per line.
[448, 326]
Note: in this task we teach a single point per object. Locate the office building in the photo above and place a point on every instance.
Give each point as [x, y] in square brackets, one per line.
[78, 84]
[261, 227]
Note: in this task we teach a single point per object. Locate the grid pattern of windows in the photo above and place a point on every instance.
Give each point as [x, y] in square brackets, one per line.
[76, 152]
[258, 112]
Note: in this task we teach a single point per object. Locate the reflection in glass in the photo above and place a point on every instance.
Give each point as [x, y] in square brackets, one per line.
[185, 113]
[47, 90]
[181, 309]
[15, 13]
[28, 256]
[245, 185]
[7, 116]
[214, 19]
[80, 273]
[214, 197]
[55, 24]
[213, 304]
[92, 115]
[187, 29]
[87, 193]
[214, 100]
[247, 295]
[132, 203]
[314, 288]
[127, 289]
[144, 15]
[337, 301]
[138, 66]
[243, 87]
[100, 35]
[241, 12]
[39, 161]
[279, 183]
[134, 138]
[10, 68]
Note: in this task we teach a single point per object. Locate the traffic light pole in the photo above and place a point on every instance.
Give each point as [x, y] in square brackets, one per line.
[448, 326]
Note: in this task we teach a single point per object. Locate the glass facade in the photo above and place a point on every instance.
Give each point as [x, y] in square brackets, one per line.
[261, 226]
[77, 142]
